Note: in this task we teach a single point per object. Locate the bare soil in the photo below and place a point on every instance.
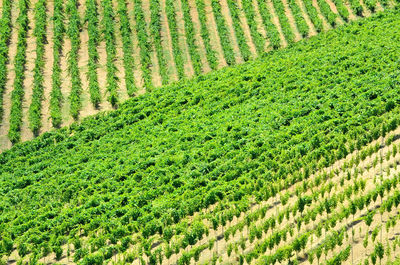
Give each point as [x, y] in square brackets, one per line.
[47, 70]
[352, 17]
[155, 69]
[276, 22]
[260, 26]
[26, 133]
[332, 5]
[119, 60]
[5, 123]
[291, 20]
[189, 71]
[366, 12]
[325, 23]
[212, 29]
[246, 29]
[229, 24]
[65, 83]
[101, 69]
[136, 50]
[197, 35]
[83, 59]
[312, 31]
[166, 41]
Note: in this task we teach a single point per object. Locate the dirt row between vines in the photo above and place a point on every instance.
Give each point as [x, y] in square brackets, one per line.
[12, 51]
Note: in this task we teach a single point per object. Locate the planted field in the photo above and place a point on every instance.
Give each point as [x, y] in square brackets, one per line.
[64, 60]
[290, 158]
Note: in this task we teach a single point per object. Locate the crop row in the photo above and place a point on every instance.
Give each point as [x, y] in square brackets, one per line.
[73, 32]
[155, 31]
[173, 28]
[239, 33]
[17, 94]
[37, 96]
[126, 33]
[5, 34]
[92, 20]
[190, 38]
[109, 36]
[56, 96]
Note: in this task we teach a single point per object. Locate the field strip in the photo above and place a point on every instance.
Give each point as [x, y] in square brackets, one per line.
[83, 59]
[212, 29]
[197, 35]
[136, 50]
[47, 69]
[310, 25]
[366, 11]
[292, 22]
[167, 44]
[276, 22]
[324, 21]
[155, 70]
[66, 83]
[352, 16]
[119, 56]
[26, 133]
[229, 25]
[246, 29]
[339, 19]
[260, 26]
[183, 44]
[5, 124]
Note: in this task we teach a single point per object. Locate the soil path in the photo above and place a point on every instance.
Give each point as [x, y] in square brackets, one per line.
[83, 59]
[339, 19]
[197, 36]
[246, 29]
[119, 57]
[229, 25]
[136, 50]
[5, 143]
[260, 26]
[312, 31]
[366, 11]
[166, 42]
[26, 133]
[292, 22]
[325, 23]
[379, 7]
[66, 83]
[352, 17]
[101, 69]
[47, 69]
[276, 22]
[155, 69]
[188, 66]
[212, 29]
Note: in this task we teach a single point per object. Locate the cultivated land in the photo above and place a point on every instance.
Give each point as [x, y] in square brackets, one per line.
[290, 158]
[61, 61]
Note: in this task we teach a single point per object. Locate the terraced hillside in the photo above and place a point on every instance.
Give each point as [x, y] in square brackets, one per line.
[62, 60]
[289, 158]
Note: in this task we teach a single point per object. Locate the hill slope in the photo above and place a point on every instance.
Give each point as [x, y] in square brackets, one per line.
[64, 60]
[124, 179]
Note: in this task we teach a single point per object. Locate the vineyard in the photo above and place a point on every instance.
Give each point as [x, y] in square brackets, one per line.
[292, 158]
[64, 60]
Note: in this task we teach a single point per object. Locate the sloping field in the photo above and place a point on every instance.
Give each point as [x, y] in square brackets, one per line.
[289, 158]
[64, 60]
